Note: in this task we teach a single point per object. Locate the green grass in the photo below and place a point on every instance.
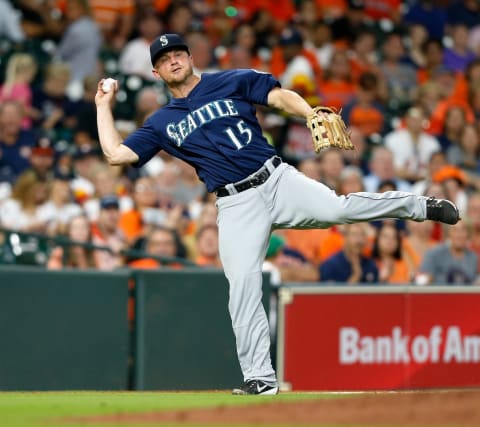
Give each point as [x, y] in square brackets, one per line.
[50, 409]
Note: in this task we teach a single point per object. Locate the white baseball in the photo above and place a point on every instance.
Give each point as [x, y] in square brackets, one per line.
[108, 84]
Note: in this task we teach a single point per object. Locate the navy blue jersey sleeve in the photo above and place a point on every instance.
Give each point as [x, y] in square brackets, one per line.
[145, 142]
[255, 85]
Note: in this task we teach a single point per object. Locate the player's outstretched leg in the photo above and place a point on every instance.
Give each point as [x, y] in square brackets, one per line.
[442, 210]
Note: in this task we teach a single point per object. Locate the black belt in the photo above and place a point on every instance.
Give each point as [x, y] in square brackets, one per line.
[258, 178]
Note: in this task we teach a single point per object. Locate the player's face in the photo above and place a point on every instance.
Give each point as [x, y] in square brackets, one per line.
[174, 67]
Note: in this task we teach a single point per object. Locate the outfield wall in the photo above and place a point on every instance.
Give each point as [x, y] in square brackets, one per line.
[170, 330]
[90, 330]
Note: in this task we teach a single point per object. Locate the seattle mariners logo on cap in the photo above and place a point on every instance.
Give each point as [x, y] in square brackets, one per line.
[164, 43]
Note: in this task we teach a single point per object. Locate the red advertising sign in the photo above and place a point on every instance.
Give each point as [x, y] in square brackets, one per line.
[378, 338]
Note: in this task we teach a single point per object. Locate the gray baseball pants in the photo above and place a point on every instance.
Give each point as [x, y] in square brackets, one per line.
[288, 199]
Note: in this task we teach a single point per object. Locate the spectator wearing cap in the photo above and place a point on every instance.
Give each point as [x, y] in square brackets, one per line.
[106, 180]
[105, 233]
[42, 158]
[85, 160]
[15, 143]
[454, 181]
[301, 67]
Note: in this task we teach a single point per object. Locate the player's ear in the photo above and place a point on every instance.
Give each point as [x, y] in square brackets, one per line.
[155, 73]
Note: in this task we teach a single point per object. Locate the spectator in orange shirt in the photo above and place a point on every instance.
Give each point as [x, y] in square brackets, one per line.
[393, 267]
[145, 212]
[337, 87]
[160, 242]
[364, 111]
[207, 247]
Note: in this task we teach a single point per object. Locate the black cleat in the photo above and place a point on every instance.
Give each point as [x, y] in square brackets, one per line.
[256, 387]
[442, 210]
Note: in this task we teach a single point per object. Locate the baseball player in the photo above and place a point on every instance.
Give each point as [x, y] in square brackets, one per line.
[210, 123]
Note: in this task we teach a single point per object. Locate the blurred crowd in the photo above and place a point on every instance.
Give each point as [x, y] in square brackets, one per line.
[405, 75]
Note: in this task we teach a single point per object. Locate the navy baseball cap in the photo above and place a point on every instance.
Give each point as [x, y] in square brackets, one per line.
[164, 43]
[109, 201]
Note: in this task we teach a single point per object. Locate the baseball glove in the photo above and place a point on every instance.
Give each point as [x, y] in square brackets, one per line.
[328, 130]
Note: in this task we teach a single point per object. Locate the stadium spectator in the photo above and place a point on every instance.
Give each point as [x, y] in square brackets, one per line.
[105, 233]
[382, 168]
[363, 54]
[365, 111]
[41, 19]
[473, 212]
[80, 43]
[243, 42]
[350, 266]
[466, 12]
[207, 247]
[290, 264]
[347, 27]
[319, 39]
[454, 181]
[160, 242]
[411, 146]
[437, 161]
[337, 87]
[459, 55]
[400, 77]
[455, 122]
[15, 143]
[60, 207]
[144, 214]
[331, 164]
[466, 152]
[22, 211]
[428, 13]
[416, 37]
[116, 19]
[106, 180]
[10, 22]
[42, 158]
[351, 180]
[416, 241]
[393, 267]
[85, 161]
[56, 109]
[451, 262]
[20, 72]
[135, 56]
[71, 255]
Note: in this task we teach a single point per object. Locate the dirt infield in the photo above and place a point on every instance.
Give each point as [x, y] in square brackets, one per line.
[439, 408]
